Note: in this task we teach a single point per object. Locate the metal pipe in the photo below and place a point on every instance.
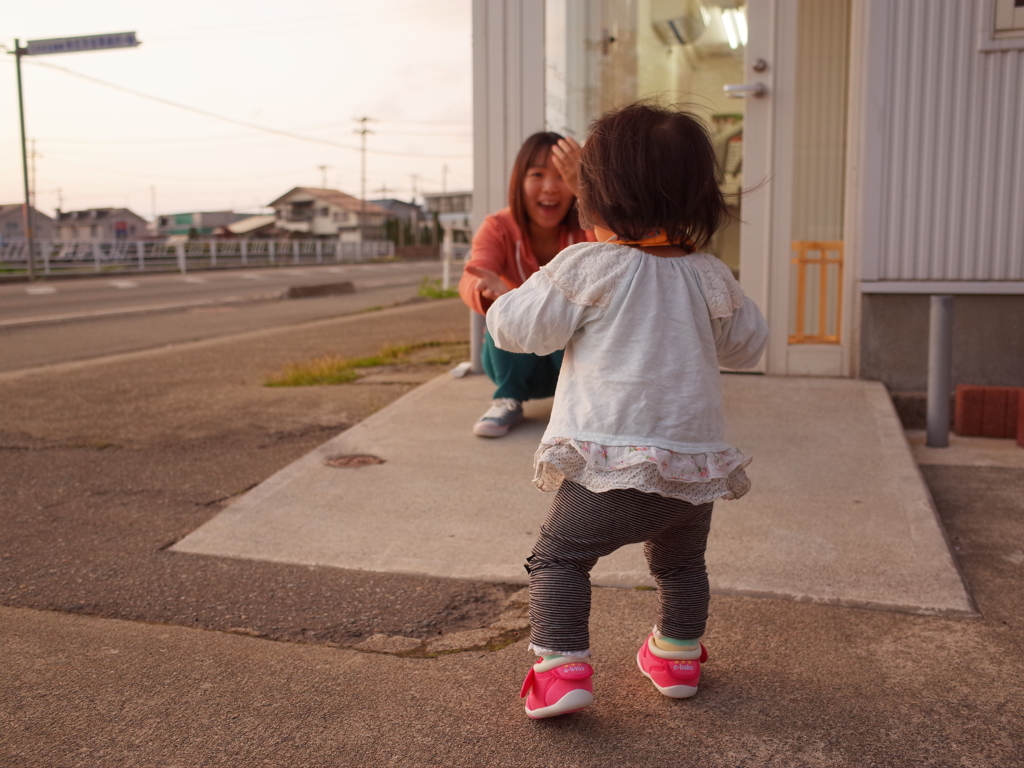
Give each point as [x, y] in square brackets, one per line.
[447, 251]
[940, 374]
[477, 325]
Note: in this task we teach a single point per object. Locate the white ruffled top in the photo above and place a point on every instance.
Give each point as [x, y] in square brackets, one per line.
[639, 400]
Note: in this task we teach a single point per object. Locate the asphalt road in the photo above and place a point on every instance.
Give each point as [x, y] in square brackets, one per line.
[90, 318]
[105, 463]
[100, 296]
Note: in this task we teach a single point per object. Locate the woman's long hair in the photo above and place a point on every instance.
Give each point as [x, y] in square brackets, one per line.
[534, 152]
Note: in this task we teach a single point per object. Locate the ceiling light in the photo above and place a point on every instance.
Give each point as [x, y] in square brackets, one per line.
[729, 23]
[740, 17]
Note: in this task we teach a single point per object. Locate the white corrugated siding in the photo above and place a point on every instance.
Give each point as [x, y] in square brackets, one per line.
[954, 149]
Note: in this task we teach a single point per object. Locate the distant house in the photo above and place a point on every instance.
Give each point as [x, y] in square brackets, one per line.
[410, 213]
[453, 209]
[262, 225]
[199, 223]
[12, 227]
[100, 225]
[328, 213]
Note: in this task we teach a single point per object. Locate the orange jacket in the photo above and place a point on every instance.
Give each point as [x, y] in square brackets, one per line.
[499, 246]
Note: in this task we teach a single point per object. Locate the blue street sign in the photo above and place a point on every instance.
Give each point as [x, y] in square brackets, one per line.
[76, 44]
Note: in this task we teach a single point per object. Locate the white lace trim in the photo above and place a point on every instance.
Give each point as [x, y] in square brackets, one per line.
[588, 274]
[693, 477]
[721, 291]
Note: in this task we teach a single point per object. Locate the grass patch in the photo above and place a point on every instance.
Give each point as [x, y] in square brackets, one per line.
[332, 369]
[431, 289]
[329, 369]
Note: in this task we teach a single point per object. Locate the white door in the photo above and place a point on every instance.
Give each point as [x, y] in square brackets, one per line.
[793, 260]
[781, 142]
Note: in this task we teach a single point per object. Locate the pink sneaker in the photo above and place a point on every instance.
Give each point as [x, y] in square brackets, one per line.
[557, 687]
[674, 673]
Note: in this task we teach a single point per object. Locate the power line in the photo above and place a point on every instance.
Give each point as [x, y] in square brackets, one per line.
[234, 121]
[152, 177]
[300, 26]
[429, 122]
[225, 137]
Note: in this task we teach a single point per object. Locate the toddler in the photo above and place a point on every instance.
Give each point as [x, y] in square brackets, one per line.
[635, 445]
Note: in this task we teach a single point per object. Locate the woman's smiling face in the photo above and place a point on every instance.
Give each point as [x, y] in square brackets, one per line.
[547, 198]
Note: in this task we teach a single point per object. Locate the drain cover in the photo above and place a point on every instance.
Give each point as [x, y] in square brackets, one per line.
[352, 460]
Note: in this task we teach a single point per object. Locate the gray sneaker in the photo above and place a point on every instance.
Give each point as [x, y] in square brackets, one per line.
[503, 413]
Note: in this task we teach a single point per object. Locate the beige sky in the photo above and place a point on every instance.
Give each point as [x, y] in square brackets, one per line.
[304, 68]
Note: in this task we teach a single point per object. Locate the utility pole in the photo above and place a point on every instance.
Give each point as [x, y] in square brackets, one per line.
[323, 175]
[444, 178]
[362, 131]
[414, 219]
[39, 48]
[26, 217]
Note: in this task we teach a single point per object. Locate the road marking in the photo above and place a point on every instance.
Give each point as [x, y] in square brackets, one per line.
[40, 290]
[194, 279]
[124, 311]
[124, 284]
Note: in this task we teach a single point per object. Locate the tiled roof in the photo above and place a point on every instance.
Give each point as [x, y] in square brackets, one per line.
[10, 208]
[101, 213]
[335, 197]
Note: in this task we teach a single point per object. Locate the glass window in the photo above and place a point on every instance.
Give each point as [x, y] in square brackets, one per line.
[604, 53]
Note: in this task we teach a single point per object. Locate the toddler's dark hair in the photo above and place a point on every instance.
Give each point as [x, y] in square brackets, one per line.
[647, 166]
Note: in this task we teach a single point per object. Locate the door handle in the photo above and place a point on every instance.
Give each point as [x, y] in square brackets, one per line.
[757, 90]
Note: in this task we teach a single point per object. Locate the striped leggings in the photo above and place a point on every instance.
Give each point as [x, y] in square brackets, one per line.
[583, 526]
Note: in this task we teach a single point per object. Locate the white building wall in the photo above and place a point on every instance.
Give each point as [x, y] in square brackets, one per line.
[952, 146]
[508, 93]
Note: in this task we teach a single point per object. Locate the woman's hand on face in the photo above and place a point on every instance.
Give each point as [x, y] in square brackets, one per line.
[489, 283]
[566, 157]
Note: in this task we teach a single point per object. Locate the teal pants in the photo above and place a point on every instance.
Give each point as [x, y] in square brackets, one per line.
[522, 377]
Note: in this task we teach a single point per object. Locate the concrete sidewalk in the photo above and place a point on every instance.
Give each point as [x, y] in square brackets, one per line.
[838, 514]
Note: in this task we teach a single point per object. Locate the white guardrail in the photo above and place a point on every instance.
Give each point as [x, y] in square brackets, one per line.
[62, 258]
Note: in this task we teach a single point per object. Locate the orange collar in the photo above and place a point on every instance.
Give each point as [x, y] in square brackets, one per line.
[652, 238]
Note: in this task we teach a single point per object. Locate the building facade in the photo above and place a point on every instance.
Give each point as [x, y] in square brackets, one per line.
[453, 209]
[328, 213]
[12, 224]
[872, 158]
[100, 225]
[199, 223]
